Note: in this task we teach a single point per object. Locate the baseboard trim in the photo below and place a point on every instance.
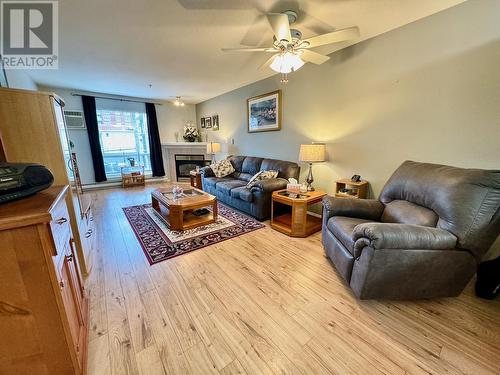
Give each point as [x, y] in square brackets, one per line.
[118, 183]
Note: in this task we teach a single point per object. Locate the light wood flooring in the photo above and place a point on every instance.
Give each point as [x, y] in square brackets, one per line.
[264, 303]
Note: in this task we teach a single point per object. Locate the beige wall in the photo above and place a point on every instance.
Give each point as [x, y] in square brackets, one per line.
[19, 79]
[170, 119]
[429, 91]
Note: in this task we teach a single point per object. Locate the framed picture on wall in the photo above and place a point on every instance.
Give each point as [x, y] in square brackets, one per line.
[215, 122]
[208, 122]
[202, 123]
[264, 112]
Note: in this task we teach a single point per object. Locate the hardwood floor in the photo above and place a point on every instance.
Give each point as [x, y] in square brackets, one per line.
[264, 303]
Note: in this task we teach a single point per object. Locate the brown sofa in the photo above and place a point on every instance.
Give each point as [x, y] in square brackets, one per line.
[422, 238]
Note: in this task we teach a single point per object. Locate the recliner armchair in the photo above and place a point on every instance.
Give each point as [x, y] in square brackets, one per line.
[423, 237]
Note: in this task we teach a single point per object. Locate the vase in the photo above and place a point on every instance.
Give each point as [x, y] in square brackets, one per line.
[177, 191]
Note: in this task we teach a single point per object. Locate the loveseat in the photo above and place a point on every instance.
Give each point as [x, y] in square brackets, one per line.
[422, 238]
[232, 189]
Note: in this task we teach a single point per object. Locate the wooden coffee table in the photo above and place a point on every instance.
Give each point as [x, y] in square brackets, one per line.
[178, 213]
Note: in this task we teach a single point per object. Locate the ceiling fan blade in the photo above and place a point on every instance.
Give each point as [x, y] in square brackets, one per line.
[333, 37]
[279, 24]
[308, 21]
[257, 33]
[249, 50]
[268, 62]
[314, 57]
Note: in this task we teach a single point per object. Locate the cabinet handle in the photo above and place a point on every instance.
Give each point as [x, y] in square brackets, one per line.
[61, 284]
[62, 220]
[72, 244]
[69, 258]
[88, 234]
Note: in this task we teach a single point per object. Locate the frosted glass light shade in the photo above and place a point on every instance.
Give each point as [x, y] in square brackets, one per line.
[312, 153]
[213, 148]
[286, 63]
[178, 102]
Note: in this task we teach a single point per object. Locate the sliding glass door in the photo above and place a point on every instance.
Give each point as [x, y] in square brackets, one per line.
[123, 135]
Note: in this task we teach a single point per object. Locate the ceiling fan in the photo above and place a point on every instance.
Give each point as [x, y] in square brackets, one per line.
[290, 51]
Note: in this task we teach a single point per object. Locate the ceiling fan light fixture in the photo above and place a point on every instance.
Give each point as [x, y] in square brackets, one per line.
[286, 63]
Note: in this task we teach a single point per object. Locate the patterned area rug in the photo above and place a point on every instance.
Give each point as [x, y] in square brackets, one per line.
[160, 243]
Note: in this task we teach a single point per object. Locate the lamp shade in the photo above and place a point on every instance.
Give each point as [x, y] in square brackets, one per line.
[312, 153]
[213, 148]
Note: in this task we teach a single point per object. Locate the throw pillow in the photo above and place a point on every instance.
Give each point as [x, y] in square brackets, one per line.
[254, 179]
[222, 168]
[261, 175]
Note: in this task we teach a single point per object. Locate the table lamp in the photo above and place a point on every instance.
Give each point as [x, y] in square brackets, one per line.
[311, 153]
[213, 148]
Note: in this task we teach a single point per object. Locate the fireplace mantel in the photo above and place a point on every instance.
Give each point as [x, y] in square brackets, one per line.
[170, 149]
[185, 144]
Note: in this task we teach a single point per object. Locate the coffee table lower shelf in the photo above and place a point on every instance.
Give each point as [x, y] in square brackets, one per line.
[191, 221]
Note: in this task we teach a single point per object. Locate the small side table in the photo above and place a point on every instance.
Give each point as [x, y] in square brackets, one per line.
[195, 178]
[359, 190]
[133, 176]
[289, 212]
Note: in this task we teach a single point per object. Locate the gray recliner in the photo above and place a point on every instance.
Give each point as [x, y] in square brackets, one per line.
[422, 238]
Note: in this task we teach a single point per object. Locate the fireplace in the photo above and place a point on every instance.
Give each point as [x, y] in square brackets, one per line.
[186, 163]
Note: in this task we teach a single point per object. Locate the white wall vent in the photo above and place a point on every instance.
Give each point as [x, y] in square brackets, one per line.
[74, 120]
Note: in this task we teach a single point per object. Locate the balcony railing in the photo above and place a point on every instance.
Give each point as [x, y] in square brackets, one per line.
[113, 161]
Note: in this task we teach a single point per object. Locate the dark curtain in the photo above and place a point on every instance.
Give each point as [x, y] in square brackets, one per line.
[90, 113]
[154, 141]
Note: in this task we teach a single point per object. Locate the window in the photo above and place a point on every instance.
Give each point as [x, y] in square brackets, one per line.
[123, 135]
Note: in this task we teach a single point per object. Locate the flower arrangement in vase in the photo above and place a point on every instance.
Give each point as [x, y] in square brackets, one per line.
[191, 133]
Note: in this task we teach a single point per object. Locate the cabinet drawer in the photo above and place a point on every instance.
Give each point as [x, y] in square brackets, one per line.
[60, 226]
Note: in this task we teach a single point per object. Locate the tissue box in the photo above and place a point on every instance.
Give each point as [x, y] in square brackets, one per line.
[293, 187]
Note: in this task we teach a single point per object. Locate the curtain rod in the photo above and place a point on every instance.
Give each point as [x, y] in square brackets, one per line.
[119, 99]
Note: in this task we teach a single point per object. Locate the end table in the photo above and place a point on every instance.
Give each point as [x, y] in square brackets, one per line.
[195, 178]
[357, 190]
[289, 212]
[133, 175]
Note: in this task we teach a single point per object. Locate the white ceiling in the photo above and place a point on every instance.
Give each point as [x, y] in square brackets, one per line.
[121, 46]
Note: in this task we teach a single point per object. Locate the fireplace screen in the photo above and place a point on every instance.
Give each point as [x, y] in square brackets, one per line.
[186, 163]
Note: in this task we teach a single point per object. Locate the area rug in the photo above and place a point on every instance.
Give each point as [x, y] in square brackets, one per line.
[160, 243]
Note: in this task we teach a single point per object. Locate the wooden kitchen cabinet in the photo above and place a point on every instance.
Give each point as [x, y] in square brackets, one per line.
[33, 130]
[44, 309]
